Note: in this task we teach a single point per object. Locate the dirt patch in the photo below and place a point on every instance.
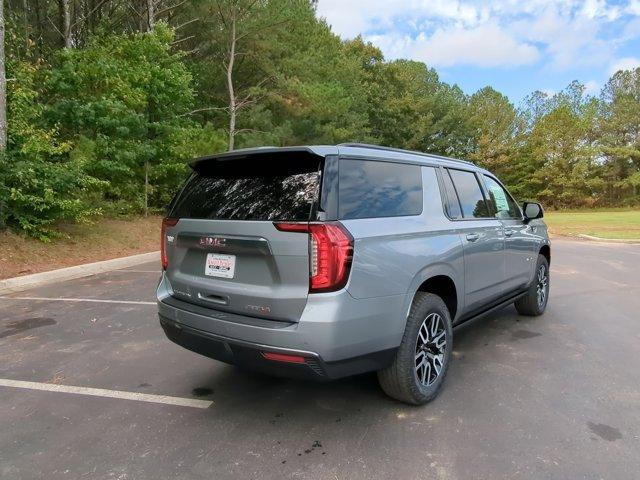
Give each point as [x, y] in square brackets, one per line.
[524, 334]
[605, 432]
[103, 240]
[19, 326]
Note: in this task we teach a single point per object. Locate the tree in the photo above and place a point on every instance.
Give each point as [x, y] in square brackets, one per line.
[3, 120]
[121, 100]
[494, 126]
[65, 15]
[109, 98]
[43, 184]
[559, 154]
[620, 126]
[3, 86]
[419, 112]
[240, 22]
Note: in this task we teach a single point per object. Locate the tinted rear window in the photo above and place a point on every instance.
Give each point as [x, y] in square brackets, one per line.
[369, 189]
[470, 194]
[257, 187]
[453, 205]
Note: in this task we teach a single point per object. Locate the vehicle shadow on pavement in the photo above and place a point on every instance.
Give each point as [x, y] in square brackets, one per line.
[234, 390]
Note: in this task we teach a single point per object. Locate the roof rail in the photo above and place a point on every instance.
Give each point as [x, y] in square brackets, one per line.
[400, 150]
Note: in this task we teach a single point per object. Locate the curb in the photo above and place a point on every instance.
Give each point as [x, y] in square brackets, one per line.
[25, 282]
[609, 240]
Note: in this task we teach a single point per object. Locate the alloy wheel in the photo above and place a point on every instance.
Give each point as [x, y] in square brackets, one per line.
[542, 285]
[430, 349]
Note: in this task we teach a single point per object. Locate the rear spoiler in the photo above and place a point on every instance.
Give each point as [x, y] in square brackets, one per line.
[265, 153]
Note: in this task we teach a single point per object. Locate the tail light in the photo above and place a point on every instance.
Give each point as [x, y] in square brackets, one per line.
[330, 253]
[166, 222]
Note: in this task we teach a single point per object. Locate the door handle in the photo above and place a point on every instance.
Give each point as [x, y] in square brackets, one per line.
[508, 233]
[472, 237]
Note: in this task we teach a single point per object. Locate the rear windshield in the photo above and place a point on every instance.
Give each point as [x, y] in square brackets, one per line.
[260, 187]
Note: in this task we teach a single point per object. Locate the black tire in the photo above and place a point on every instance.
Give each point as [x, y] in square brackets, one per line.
[532, 304]
[400, 380]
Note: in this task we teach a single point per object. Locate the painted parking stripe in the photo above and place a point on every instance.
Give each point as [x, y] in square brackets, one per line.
[101, 392]
[157, 272]
[95, 300]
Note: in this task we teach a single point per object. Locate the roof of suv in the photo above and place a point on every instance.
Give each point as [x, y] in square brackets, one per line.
[360, 150]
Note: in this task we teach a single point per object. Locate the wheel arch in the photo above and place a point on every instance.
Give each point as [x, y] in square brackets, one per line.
[545, 251]
[440, 280]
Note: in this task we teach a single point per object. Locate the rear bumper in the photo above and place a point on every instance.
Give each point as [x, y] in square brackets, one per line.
[250, 355]
[337, 334]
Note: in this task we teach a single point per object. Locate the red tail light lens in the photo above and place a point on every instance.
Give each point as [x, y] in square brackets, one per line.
[330, 252]
[281, 357]
[167, 222]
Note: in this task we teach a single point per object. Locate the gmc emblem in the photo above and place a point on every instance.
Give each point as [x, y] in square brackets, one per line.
[212, 242]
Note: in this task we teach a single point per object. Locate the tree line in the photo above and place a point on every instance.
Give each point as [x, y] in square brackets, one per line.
[107, 100]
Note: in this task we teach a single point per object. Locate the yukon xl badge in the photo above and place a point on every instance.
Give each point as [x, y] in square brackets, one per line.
[258, 308]
[212, 242]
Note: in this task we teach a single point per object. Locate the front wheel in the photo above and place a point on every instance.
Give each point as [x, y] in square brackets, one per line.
[535, 301]
[421, 362]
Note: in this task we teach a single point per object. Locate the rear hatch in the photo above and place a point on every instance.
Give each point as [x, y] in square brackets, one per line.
[222, 248]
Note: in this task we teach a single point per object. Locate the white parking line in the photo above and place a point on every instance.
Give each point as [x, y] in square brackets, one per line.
[101, 392]
[157, 272]
[96, 300]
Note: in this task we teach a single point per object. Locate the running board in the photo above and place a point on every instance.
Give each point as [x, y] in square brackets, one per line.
[490, 309]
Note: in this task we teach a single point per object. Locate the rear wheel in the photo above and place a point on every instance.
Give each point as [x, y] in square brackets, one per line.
[535, 301]
[421, 362]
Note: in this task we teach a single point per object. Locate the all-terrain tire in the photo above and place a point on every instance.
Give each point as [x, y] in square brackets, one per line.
[535, 301]
[401, 379]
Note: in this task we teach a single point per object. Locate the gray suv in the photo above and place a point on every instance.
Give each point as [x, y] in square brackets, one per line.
[327, 261]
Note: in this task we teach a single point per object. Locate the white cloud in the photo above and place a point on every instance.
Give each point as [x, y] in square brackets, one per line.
[350, 18]
[562, 33]
[600, 9]
[567, 42]
[626, 63]
[485, 46]
[634, 7]
[591, 87]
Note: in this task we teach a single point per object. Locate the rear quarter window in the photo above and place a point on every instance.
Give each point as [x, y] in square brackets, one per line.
[373, 189]
[470, 195]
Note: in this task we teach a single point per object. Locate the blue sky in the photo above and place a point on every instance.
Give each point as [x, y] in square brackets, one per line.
[514, 46]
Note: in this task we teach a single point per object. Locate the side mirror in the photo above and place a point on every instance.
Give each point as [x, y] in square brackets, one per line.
[532, 211]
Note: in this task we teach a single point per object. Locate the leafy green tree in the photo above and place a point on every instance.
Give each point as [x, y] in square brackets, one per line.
[620, 126]
[494, 126]
[107, 100]
[42, 184]
[121, 101]
[407, 105]
[559, 154]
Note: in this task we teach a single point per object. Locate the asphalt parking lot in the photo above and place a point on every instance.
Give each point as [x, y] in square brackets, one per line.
[551, 397]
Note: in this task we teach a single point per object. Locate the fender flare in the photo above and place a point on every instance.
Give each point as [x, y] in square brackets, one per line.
[430, 271]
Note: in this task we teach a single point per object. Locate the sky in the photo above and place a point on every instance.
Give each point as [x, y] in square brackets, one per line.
[515, 46]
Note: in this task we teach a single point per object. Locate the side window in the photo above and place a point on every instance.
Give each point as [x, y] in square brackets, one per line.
[470, 194]
[369, 189]
[453, 205]
[501, 202]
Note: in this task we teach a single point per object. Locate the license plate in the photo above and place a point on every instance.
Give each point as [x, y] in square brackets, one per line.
[220, 265]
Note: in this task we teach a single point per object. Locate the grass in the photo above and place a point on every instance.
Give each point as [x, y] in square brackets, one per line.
[610, 224]
[112, 238]
[103, 240]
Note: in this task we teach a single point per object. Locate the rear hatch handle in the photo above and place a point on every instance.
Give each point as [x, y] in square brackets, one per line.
[216, 299]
